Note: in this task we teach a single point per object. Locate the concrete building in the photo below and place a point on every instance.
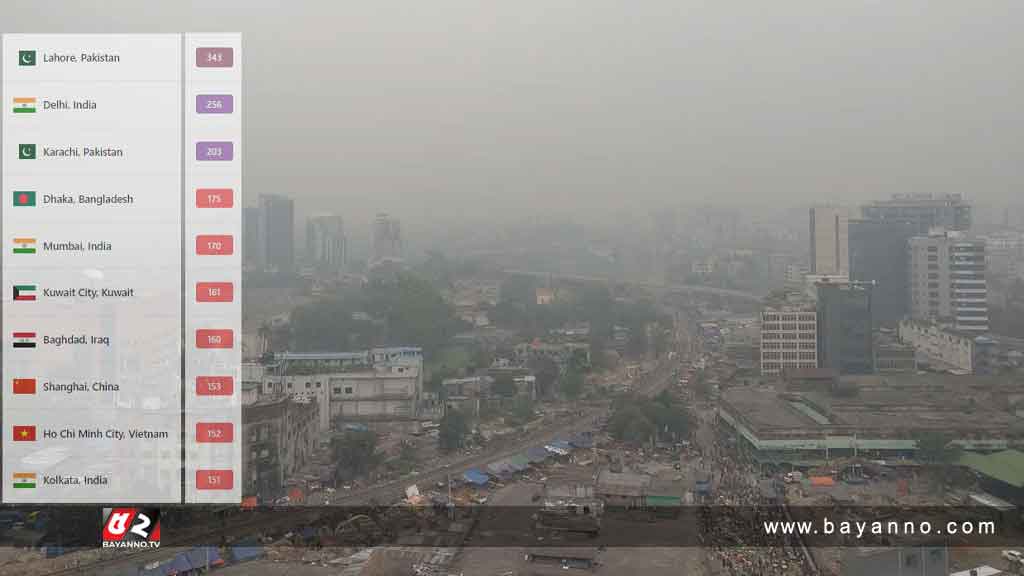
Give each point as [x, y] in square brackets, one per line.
[895, 561]
[893, 357]
[879, 253]
[387, 238]
[1004, 254]
[278, 438]
[829, 234]
[845, 342]
[882, 419]
[251, 237]
[938, 347]
[947, 280]
[789, 337]
[924, 211]
[378, 385]
[326, 245]
[276, 233]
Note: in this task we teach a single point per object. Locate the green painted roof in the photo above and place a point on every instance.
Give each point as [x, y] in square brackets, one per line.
[1006, 466]
[663, 501]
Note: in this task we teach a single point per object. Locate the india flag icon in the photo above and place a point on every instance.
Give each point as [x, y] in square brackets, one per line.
[24, 245]
[25, 105]
[24, 480]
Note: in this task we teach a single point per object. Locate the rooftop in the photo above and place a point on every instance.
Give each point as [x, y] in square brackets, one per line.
[886, 406]
[1006, 466]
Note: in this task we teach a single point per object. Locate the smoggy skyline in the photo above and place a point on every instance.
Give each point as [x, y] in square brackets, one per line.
[452, 109]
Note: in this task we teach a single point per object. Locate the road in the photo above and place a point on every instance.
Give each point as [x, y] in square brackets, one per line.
[676, 288]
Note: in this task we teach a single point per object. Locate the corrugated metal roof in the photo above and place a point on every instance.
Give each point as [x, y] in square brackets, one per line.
[1006, 466]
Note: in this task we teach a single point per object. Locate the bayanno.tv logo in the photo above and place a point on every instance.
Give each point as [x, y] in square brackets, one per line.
[131, 528]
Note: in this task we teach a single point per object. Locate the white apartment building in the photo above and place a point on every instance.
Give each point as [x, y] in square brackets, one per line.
[789, 338]
[947, 280]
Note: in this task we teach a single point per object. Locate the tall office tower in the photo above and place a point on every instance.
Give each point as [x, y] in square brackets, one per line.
[277, 233]
[387, 238]
[947, 280]
[326, 244]
[925, 211]
[879, 254]
[845, 341]
[829, 240]
[251, 252]
[788, 337]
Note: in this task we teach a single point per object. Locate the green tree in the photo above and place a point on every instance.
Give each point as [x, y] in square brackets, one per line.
[629, 424]
[407, 458]
[546, 372]
[504, 385]
[571, 383]
[936, 448]
[453, 430]
[355, 452]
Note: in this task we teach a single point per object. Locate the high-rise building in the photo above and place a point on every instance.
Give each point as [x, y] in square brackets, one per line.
[845, 342]
[947, 280]
[251, 253]
[925, 211]
[878, 253]
[829, 236]
[277, 233]
[387, 238]
[326, 244]
[789, 337]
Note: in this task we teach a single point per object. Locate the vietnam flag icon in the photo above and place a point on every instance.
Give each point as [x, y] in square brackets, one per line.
[24, 385]
[24, 433]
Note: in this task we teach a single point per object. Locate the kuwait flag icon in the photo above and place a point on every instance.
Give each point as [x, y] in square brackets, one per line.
[24, 105]
[25, 292]
[24, 339]
[24, 480]
[24, 385]
[24, 198]
[24, 433]
[24, 245]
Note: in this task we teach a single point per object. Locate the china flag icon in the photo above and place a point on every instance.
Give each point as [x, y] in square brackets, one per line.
[24, 385]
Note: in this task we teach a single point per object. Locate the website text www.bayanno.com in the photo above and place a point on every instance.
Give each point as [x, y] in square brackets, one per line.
[878, 528]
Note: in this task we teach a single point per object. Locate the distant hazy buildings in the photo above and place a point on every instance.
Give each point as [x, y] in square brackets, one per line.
[829, 236]
[789, 337]
[251, 252]
[845, 342]
[326, 244]
[1004, 254]
[879, 254]
[947, 280]
[925, 211]
[276, 234]
[387, 238]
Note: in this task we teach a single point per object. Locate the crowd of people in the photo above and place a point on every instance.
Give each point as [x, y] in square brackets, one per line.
[734, 513]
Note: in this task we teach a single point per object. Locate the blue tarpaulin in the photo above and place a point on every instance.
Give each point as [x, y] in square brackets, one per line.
[246, 551]
[582, 440]
[474, 476]
[197, 557]
[180, 565]
[537, 454]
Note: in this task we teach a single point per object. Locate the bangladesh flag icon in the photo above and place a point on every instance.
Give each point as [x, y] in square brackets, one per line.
[24, 198]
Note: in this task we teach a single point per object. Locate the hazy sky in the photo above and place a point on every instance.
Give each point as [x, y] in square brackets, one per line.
[497, 108]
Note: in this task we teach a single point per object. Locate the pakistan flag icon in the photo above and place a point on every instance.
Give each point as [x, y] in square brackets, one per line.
[26, 151]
